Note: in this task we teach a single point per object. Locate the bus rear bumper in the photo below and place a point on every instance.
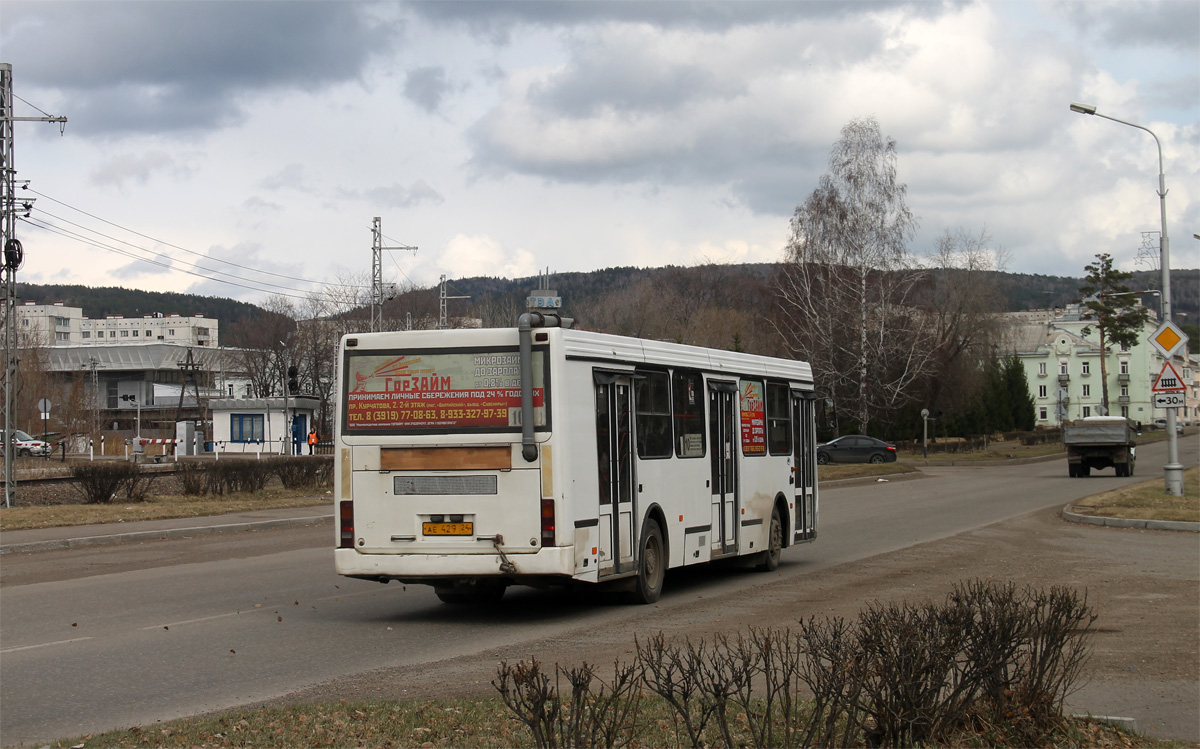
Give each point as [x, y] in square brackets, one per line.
[549, 562]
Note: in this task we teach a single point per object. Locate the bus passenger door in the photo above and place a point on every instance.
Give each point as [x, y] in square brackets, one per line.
[805, 466]
[614, 462]
[722, 400]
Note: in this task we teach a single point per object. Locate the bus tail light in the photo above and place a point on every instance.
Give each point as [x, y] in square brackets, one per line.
[547, 522]
[346, 524]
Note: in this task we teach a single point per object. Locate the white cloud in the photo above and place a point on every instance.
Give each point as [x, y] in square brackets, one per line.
[463, 256]
[502, 138]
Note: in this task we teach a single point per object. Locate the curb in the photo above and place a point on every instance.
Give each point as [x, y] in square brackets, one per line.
[160, 534]
[880, 479]
[1153, 525]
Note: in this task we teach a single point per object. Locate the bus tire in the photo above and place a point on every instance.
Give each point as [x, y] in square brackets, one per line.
[770, 557]
[652, 565]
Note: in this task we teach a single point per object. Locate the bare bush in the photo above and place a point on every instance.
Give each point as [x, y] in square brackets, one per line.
[674, 672]
[137, 484]
[229, 476]
[608, 716]
[100, 482]
[990, 661]
[193, 477]
[831, 667]
[298, 472]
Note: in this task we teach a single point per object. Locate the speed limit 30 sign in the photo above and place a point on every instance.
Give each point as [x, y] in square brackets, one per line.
[1169, 400]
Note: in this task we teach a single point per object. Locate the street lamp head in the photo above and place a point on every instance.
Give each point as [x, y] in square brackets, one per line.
[1083, 108]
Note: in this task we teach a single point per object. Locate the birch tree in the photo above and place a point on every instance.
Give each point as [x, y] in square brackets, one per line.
[962, 299]
[847, 278]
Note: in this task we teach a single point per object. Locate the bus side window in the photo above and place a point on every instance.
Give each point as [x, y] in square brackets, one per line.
[779, 419]
[652, 395]
[688, 412]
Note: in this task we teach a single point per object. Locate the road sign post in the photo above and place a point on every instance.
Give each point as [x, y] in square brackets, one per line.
[1169, 339]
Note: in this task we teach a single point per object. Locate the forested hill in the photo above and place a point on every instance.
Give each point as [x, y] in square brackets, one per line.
[745, 286]
[98, 302]
[1019, 291]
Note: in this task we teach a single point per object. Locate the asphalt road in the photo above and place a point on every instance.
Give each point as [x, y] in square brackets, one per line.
[95, 639]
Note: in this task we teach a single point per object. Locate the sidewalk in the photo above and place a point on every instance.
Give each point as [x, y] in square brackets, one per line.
[79, 536]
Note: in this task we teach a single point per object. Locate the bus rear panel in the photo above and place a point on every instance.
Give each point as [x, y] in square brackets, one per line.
[471, 460]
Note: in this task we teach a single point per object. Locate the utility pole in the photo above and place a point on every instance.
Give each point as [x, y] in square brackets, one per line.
[189, 366]
[14, 256]
[94, 364]
[442, 319]
[378, 293]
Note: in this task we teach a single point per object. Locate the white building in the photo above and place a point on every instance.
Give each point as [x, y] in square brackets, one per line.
[59, 325]
[1063, 367]
[268, 425]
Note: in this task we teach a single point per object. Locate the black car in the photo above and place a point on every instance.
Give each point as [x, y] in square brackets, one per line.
[856, 448]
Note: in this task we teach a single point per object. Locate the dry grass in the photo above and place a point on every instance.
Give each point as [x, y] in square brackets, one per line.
[1147, 500]
[157, 508]
[833, 472]
[996, 452]
[462, 723]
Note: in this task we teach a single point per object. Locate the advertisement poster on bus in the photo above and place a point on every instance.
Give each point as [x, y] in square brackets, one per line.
[474, 391]
[754, 431]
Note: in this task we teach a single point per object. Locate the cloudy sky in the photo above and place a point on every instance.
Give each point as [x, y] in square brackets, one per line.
[242, 148]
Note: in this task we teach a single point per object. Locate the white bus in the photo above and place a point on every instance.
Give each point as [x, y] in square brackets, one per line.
[471, 460]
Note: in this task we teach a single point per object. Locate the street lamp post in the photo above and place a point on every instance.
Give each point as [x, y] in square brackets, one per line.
[1173, 470]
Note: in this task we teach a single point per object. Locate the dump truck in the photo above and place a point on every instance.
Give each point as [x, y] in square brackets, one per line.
[1100, 442]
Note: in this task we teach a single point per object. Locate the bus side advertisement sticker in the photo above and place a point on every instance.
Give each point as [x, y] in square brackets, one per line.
[754, 433]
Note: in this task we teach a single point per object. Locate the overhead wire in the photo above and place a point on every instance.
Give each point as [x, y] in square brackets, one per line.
[197, 266]
[99, 245]
[184, 249]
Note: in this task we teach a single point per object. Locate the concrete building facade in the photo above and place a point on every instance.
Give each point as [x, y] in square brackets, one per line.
[1063, 367]
[59, 325]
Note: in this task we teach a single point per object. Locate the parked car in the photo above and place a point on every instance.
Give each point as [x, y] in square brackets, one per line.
[856, 448]
[1162, 424]
[25, 446]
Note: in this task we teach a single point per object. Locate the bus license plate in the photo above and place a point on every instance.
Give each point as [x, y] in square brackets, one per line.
[447, 529]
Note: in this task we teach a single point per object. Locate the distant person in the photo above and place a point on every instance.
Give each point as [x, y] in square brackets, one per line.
[312, 441]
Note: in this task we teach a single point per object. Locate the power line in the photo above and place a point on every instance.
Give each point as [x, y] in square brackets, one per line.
[99, 245]
[184, 249]
[143, 249]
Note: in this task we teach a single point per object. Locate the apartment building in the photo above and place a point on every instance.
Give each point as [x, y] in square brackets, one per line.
[1063, 367]
[59, 325]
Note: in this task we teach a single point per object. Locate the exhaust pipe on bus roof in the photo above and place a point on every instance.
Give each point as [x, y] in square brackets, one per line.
[525, 325]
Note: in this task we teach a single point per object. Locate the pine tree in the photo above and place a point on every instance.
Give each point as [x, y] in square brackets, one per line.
[1118, 316]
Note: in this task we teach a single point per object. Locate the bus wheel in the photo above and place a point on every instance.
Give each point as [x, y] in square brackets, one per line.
[476, 595]
[770, 557]
[652, 565]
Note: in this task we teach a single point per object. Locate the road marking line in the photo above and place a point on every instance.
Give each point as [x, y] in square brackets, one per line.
[45, 644]
[190, 621]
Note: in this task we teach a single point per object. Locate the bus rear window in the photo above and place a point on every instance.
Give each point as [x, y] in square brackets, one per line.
[403, 392]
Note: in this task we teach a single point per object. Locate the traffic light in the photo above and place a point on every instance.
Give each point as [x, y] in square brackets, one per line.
[293, 381]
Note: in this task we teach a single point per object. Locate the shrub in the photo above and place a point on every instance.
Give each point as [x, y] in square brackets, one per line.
[137, 484]
[606, 716]
[236, 475]
[990, 661]
[297, 472]
[100, 482]
[193, 477]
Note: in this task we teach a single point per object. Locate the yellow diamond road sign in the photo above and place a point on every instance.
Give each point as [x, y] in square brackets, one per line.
[1168, 339]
